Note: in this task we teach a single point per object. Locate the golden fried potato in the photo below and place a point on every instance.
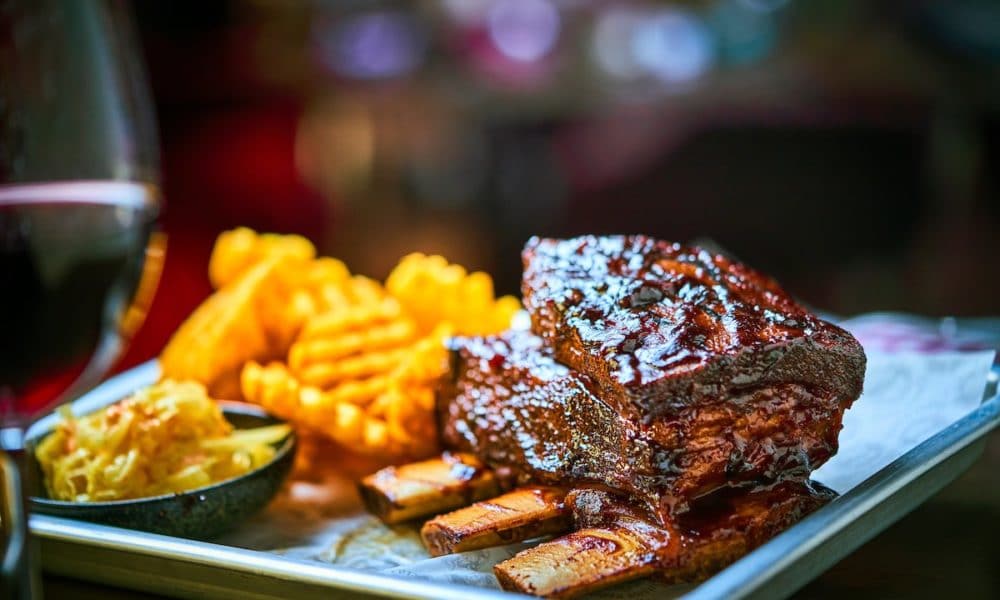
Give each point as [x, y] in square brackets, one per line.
[389, 414]
[225, 332]
[434, 291]
[237, 250]
[350, 343]
[314, 287]
[352, 352]
[352, 317]
[408, 405]
[339, 355]
[272, 387]
[270, 285]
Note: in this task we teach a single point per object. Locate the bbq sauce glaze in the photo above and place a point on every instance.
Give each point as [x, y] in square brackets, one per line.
[642, 316]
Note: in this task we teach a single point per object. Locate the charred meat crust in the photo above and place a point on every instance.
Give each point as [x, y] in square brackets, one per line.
[662, 370]
[660, 326]
[510, 403]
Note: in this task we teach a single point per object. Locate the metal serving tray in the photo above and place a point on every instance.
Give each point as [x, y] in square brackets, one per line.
[185, 568]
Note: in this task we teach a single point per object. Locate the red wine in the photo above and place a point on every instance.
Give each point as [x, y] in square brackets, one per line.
[71, 260]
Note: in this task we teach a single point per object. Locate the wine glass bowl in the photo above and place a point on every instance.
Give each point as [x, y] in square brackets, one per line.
[79, 257]
[72, 259]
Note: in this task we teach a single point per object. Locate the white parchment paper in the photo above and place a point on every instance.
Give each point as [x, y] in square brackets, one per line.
[909, 396]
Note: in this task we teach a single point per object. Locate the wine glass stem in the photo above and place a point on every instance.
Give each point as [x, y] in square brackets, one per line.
[19, 566]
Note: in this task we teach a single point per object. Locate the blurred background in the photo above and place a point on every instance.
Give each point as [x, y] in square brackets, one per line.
[851, 149]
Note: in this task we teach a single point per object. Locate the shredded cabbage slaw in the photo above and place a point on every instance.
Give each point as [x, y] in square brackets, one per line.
[170, 437]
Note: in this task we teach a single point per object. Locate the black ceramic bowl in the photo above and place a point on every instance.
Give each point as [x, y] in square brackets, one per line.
[198, 514]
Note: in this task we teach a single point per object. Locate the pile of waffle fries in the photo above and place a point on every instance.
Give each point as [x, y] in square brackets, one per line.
[338, 355]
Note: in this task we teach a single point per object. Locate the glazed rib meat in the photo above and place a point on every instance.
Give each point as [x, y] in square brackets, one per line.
[662, 371]
[526, 415]
[510, 403]
[662, 327]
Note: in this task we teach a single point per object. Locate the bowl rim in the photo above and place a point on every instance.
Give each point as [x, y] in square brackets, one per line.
[284, 447]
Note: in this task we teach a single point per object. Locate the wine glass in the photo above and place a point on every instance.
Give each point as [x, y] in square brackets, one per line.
[79, 255]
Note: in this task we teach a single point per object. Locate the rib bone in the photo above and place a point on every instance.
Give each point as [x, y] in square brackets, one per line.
[420, 489]
[516, 516]
[618, 542]
[586, 560]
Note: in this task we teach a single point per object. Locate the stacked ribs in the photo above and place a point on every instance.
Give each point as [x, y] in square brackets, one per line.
[658, 383]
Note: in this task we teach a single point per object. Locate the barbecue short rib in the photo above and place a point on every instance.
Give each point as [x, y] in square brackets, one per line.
[662, 371]
[521, 412]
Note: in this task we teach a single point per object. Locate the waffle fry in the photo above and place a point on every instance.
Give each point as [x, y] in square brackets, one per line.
[350, 344]
[354, 354]
[272, 387]
[238, 250]
[389, 414]
[434, 291]
[408, 405]
[223, 333]
[314, 287]
[370, 323]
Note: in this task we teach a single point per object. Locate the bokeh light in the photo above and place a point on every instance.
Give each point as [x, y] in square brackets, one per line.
[612, 43]
[372, 46]
[674, 45]
[523, 30]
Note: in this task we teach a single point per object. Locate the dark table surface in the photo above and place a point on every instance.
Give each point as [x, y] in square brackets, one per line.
[950, 547]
